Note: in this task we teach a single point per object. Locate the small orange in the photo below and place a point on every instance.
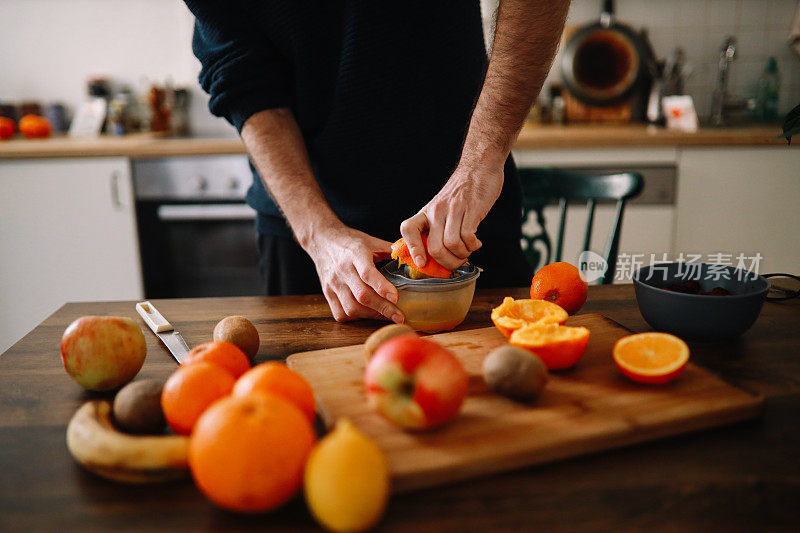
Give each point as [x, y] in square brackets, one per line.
[6, 128]
[247, 453]
[220, 353]
[512, 314]
[653, 357]
[432, 267]
[558, 346]
[562, 284]
[34, 127]
[190, 390]
[277, 378]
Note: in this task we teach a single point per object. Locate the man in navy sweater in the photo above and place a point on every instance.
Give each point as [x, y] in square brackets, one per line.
[366, 119]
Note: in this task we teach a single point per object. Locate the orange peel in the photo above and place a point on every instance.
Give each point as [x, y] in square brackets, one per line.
[432, 268]
[513, 314]
[560, 347]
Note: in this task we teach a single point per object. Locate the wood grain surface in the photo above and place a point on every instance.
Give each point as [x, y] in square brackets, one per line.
[740, 477]
[588, 408]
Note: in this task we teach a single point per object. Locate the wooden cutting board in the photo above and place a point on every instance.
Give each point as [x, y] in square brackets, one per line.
[588, 408]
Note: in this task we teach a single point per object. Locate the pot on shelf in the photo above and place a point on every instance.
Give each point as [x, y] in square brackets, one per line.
[603, 64]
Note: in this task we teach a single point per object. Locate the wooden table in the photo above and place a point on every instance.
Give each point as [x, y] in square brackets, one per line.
[739, 477]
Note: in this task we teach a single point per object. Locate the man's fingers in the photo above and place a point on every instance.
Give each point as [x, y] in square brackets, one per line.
[452, 234]
[411, 229]
[366, 295]
[371, 276]
[353, 308]
[437, 249]
[469, 227]
[333, 302]
[380, 249]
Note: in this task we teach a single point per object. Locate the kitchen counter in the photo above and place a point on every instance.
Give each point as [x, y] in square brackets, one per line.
[745, 475]
[602, 136]
[531, 137]
[133, 146]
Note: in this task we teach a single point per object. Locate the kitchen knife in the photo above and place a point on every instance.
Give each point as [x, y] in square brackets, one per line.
[164, 330]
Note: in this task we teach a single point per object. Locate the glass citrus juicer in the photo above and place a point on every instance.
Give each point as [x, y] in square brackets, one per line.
[433, 304]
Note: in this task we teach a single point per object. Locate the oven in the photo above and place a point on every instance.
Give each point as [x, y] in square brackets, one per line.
[196, 233]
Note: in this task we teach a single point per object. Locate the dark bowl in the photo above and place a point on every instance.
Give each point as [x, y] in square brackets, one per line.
[696, 316]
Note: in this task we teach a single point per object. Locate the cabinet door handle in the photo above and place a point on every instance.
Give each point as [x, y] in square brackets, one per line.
[115, 202]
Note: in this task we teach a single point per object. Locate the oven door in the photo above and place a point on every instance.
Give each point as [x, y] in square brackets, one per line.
[195, 249]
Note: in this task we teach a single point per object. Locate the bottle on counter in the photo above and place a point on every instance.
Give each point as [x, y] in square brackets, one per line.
[122, 117]
[768, 92]
[180, 112]
[558, 106]
[159, 110]
[100, 87]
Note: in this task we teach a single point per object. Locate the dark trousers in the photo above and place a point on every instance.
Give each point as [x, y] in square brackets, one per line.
[287, 269]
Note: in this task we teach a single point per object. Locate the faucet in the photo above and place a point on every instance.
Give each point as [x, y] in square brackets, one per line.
[722, 102]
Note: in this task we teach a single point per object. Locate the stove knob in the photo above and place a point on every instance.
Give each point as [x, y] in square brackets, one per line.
[233, 183]
[202, 184]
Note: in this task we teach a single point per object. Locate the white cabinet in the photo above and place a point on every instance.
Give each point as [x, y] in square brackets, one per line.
[741, 201]
[67, 233]
[729, 200]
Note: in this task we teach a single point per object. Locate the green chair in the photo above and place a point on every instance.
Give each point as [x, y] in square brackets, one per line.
[541, 186]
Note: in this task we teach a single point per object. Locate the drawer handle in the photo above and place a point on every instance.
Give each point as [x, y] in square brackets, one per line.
[115, 202]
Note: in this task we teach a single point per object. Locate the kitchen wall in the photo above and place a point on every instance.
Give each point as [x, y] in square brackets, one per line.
[700, 26]
[49, 47]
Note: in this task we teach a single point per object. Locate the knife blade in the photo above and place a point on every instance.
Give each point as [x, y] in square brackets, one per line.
[163, 330]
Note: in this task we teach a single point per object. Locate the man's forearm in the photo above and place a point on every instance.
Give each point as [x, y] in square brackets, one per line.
[526, 37]
[276, 147]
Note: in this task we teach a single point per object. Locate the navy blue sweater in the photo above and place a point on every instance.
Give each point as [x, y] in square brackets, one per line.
[382, 93]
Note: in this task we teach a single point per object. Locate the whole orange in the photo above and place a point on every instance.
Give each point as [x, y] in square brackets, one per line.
[34, 127]
[247, 453]
[562, 284]
[279, 379]
[220, 353]
[190, 390]
[6, 128]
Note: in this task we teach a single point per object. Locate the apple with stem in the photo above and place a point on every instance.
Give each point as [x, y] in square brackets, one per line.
[415, 383]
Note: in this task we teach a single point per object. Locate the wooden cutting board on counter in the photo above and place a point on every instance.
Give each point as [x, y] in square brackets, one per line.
[588, 408]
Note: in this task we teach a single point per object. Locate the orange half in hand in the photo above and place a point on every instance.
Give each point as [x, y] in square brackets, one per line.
[432, 268]
[558, 346]
[512, 314]
[654, 358]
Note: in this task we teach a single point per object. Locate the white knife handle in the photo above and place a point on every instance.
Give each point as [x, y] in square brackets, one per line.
[153, 318]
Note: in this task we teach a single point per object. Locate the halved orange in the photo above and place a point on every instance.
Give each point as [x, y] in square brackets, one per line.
[512, 314]
[653, 357]
[558, 346]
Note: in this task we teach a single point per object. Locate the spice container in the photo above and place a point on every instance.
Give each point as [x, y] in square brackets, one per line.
[433, 304]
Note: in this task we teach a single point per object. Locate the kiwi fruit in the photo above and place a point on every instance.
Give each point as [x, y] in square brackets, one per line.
[515, 373]
[239, 331]
[137, 407]
[382, 335]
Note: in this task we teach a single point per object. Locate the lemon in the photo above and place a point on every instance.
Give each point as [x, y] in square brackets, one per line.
[346, 480]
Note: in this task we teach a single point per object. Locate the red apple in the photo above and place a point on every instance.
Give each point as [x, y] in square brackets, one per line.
[103, 352]
[415, 383]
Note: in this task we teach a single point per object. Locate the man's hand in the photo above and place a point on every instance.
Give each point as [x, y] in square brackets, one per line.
[345, 261]
[343, 256]
[524, 43]
[451, 218]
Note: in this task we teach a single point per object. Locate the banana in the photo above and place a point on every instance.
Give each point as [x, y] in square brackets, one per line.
[100, 448]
